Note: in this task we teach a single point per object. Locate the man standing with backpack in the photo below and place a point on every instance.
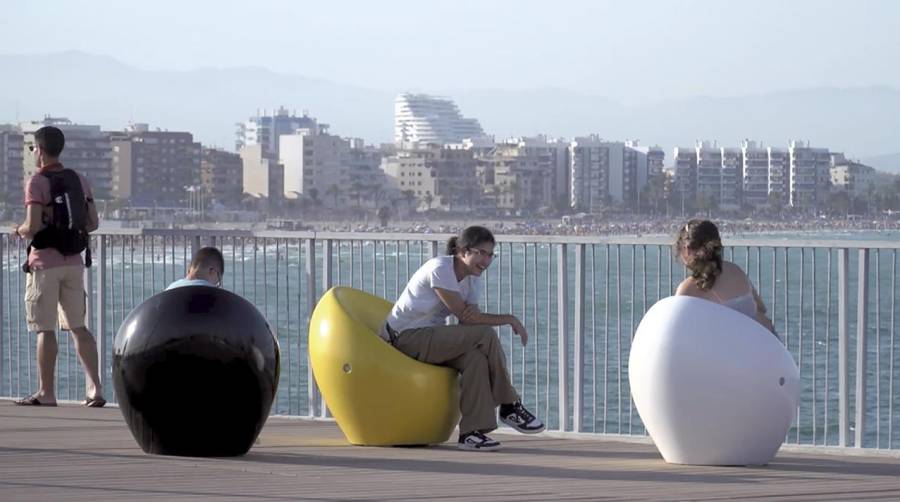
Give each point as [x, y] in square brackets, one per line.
[59, 214]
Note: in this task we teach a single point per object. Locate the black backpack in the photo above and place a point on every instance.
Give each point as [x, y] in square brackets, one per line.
[67, 233]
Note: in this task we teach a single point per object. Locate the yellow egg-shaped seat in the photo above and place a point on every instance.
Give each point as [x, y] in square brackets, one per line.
[378, 395]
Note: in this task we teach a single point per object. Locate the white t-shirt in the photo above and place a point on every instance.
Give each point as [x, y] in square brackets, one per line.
[180, 283]
[419, 306]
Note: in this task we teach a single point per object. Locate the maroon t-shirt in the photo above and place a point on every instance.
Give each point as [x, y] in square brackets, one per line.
[37, 191]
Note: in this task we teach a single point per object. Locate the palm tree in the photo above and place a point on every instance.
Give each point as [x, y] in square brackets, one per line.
[409, 196]
[334, 191]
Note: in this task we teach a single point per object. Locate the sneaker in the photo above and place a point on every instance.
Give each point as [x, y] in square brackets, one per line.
[477, 441]
[516, 416]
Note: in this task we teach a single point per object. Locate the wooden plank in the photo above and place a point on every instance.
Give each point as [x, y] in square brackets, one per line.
[88, 454]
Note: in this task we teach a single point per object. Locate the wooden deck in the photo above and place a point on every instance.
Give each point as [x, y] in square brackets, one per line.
[73, 453]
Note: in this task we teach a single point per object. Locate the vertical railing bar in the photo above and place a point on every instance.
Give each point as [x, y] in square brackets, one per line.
[877, 348]
[800, 305]
[287, 314]
[374, 289]
[815, 382]
[631, 335]
[277, 293]
[300, 274]
[3, 275]
[578, 360]
[101, 309]
[593, 338]
[549, 310]
[562, 331]
[534, 310]
[862, 313]
[893, 325]
[606, 341]
[619, 337]
[525, 309]
[843, 347]
[265, 275]
[827, 347]
[312, 388]
[512, 310]
[397, 270]
[255, 269]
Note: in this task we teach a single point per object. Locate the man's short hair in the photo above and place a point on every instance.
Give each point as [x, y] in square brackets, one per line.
[208, 257]
[51, 140]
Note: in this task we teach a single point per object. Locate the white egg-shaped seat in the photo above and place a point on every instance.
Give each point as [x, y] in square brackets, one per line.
[712, 386]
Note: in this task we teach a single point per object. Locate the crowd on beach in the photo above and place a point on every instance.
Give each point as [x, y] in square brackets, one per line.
[648, 226]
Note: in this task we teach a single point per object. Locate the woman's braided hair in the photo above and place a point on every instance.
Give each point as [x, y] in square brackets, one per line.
[700, 239]
[469, 238]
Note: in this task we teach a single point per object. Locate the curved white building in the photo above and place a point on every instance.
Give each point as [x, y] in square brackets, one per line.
[424, 119]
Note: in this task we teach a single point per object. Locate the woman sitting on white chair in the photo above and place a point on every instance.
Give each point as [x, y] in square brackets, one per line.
[712, 278]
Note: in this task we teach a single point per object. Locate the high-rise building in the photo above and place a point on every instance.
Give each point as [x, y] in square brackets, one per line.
[755, 178]
[810, 175]
[607, 172]
[265, 130]
[779, 176]
[263, 175]
[319, 162]
[12, 167]
[420, 119]
[87, 151]
[731, 192]
[222, 176]
[439, 177]
[685, 177]
[709, 173]
[154, 167]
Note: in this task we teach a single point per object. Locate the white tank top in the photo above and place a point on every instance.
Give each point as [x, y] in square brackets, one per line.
[744, 303]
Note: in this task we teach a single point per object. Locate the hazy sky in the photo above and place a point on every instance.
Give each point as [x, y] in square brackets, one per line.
[631, 51]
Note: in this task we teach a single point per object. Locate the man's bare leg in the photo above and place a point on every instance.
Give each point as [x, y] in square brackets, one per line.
[46, 361]
[86, 347]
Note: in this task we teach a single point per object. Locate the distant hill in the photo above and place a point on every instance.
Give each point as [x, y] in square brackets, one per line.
[861, 122]
[889, 163]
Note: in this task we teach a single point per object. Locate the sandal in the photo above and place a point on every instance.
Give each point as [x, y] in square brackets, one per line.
[97, 402]
[32, 401]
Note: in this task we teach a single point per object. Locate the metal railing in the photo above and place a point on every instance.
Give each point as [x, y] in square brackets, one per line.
[833, 302]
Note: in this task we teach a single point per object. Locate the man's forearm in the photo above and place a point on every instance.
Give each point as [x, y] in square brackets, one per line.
[489, 319]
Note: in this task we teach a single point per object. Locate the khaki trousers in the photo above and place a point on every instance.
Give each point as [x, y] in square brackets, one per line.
[475, 352]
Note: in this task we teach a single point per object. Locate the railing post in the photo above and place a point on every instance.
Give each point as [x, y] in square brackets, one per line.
[3, 240]
[578, 380]
[843, 264]
[195, 245]
[862, 311]
[326, 285]
[562, 330]
[434, 250]
[101, 307]
[313, 393]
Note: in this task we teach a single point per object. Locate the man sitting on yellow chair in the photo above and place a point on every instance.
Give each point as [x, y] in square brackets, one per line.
[451, 284]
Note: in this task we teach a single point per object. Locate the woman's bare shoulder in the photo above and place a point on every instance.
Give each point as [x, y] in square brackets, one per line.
[688, 287]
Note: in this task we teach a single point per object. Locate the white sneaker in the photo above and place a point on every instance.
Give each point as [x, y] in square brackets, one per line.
[477, 441]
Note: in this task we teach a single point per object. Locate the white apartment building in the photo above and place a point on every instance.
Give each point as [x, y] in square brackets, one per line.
[263, 176]
[755, 170]
[420, 119]
[605, 172]
[316, 161]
